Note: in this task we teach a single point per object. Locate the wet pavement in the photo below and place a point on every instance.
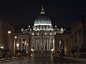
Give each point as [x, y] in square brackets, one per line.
[44, 59]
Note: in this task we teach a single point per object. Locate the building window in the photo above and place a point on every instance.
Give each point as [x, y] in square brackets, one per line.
[32, 45]
[38, 33]
[50, 33]
[38, 40]
[45, 46]
[38, 46]
[32, 33]
[45, 33]
[59, 42]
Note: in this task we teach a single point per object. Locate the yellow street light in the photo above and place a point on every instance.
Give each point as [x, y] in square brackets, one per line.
[1, 47]
[17, 44]
[9, 32]
[15, 36]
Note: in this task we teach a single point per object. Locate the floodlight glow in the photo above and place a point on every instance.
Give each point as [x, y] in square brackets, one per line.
[55, 25]
[22, 42]
[32, 49]
[50, 33]
[32, 33]
[45, 33]
[17, 45]
[42, 24]
[52, 49]
[29, 26]
[15, 36]
[38, 33]
[1, 47]
[9, 32]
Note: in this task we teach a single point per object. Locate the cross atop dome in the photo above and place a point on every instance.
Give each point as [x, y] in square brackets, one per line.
[42, 7]
[42, 11]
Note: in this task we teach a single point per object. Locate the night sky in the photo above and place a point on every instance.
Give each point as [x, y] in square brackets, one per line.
[21, 13]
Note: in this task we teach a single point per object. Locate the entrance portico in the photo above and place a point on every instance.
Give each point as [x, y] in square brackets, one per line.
[48, 43]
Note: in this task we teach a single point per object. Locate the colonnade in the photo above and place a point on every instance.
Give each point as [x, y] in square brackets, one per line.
[48, 44]
[21, 44]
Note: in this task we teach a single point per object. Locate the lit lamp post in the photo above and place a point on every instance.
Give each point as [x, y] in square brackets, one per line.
[32, 50]
[15, 37]
[15, 48]
[52, 50]
[9, 32]
[17, 45]
[1, 47]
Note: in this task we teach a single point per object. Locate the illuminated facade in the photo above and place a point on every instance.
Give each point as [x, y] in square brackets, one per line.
[6, 37]
[74, 39]
[42, 25]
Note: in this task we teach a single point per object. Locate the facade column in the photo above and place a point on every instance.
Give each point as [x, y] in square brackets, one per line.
[44, 44]
[39, 44]
[31, 44]
[67, 46]
[26, 45]
[53, 43]
[36, 44]
[15, 44]
[47, 43]
[21, 44]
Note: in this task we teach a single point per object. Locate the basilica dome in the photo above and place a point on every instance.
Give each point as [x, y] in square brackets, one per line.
[42, 19]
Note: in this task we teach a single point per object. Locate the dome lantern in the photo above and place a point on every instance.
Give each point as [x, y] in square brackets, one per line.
[42, 11]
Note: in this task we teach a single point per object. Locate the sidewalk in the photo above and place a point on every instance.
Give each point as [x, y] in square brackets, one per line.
[78, 59]
[9, 59]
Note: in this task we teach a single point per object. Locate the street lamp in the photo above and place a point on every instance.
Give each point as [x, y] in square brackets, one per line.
[25, 43]
[9, 42]
[1, 47]
[32, 52]
[9, 32]
[52, 50]
[17, 44]
[15, 37]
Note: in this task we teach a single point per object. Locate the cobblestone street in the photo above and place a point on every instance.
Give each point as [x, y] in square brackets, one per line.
[44, 59]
